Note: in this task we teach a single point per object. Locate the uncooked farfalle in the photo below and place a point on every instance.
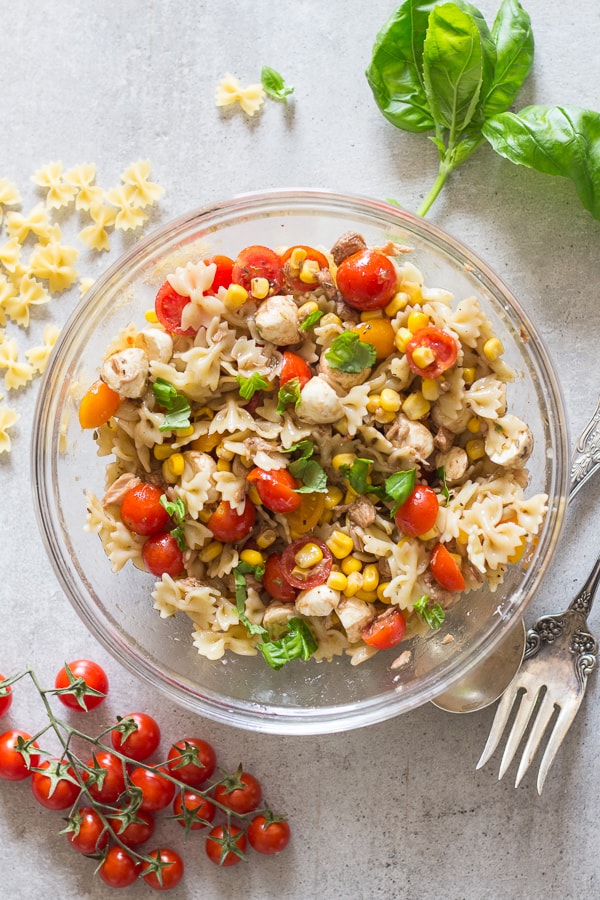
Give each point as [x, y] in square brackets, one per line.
[17, 374]
[83, 177]
[58, 192]
[129, 216]
[140, 191]
[37, 222]
[54, 263]
[250, 98]
[38, 356]
[31, 292]
[8, 418]
[9, 195]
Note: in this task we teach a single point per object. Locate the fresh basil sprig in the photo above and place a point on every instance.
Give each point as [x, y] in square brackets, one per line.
[298, 643]
[177, 406]
[274, 84]
[288, 393]
[241, 594]
[397, 488]
[251, 384]
[349, 354]
[307, 470]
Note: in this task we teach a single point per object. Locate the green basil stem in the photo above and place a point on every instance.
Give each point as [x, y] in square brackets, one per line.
[448, 163]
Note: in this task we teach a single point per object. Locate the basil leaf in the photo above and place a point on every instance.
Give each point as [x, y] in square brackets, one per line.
[513, 37]
[249, 386]
[399, 487]
[357, 475]
[432, 615]
[176, 405]
[298, 643]
[441, 474]
[274, 84]
[288, 393]
[177, 512]
[305, 447]
[311, 319]
[241, 595]
[556, 140]
[311, 474]
[349, 354]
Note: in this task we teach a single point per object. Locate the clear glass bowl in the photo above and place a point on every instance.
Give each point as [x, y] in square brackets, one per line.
[301, 698]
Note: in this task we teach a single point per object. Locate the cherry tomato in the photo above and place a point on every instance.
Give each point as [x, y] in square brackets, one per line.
[193, 810]
[315, 575]
[380, 334]
[293, 277]
[367, 279]
[13, 766]
[268, 836]
[170, 875]
[112, 785]
[220, 841]
[241, 793]
[6, 699]
[92, 674]
[274, 581]
[98, 405]
[162, 556]
[443, 346]
[308, 514]
[276, 488]
[418, 513]
[142, 742]
[142, 511]
[52, 794]
[257, 261]
[385, 630]
[222, 277]
[118, 868]
[90, 836]
[229, 526]
[135, 833]
[157, 791]
[445, 569]
[293, 366]
[169, 306]
[192, 761]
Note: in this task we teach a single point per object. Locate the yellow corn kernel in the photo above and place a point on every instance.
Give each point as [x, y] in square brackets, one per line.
[162, 451]
[350, 564]
[204, 515]
[309, 271]
[381, 587]
[309, 555]
[150, 316]
[337, 581]
[223, 453]
[430, 389]
[252, 557]
[342, 459]
[340, 544]
[185, 432]
[473, 425]
[396, 304]
[266, 538]
[370, 577]
[390, 400]
[475, 449]
[413, 290]
[330, 319]
[210, 552]
[297, 257]
[416, 321]
[205, 442]
[368, 314]
[254, 495]
[493, 349]
[353, 584]
[307, 308]
[384, 416]
[173, 467]
[259, 287]
[457, 559]
[423, 357]
[351, 495]
[367, 596]
[462, 537]
[341, 426]
[326, 517]
[373, 402]
[429, 535]
[333, 497]
[469, 374]
[235, 296]
[403, 336]
[223, 465]
[416, 406]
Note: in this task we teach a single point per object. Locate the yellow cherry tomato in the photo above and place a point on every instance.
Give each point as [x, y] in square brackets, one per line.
[380, 334]
[307, 516]
[98, 405]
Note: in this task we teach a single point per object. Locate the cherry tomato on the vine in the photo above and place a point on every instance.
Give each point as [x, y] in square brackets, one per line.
[257, 261]
[5, 699]
[169, 306]
[118, 869]
[135, 833]
[274, 581]
[276, 488]
[13, 766]
[367, 279]
[170, 874]
[141, 510]
[293, 366]
[418, 514]
[228, 525]
[193, 810]
[51, 793]
[94, 677]
[223, 273]
[241, 793]
[89, 835]
[445, 569]
[192, 761]
[303, 277]
[162, 555]
[142, 742]
[268, 835]
[98, 405]
[157, 791]
[386, 630]
[315, 575]
[441, 345]
[222, 843]
[112, 784]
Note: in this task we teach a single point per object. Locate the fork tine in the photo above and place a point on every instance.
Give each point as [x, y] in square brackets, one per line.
[498, 725]
[517, 731]
[561, 726]
[540, 723]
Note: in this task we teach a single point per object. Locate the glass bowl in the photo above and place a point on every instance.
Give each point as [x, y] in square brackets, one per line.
[301, 698]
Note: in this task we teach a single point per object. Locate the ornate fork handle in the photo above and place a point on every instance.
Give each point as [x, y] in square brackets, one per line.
[586, 457]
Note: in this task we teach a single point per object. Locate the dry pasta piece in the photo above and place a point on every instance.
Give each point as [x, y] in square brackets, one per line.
[31, 293]
[54, 263]
[229, 91]
[37, 222]
[17, 373]
[140, 191]
[7, 292]
[38, 356]
[129, 217]
[8, 418]
[9, 195]
[59, 192]
[10, 254]
[84, 285]
[82, 177]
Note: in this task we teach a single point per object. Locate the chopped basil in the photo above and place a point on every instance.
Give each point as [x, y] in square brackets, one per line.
[399, 487]
[241, 595]
[441, 474]
[357, 475]
[177, 406]
[274, 84]
[298, 643]
[177, 512]
[309, 471]
[349, 354]
[432, 615]
[288, 393]
[249, 386]
[311, 319]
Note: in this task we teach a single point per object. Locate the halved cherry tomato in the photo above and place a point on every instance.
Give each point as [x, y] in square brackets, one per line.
[276, 488]
[274, 582]
[380, 334]
[54, 794]
[169, 306]
[223, 274]
[308, 514]
[293, 278]
[98, 405]
[386, 630]
[418, 513]
[142, 511]
[228, 525]
[367, 279]
[293, 366]
[312, 577]
[257, 261]
[162, 556]
[443, 346]
[445, 569]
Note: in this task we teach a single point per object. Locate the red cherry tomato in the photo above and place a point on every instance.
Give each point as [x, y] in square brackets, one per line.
[293, 279]
[118, 868]
[293, 366]
[192, 761]
[169, 306]
[276, 488]
[170, 875]
[418, 513]
[222, 277]
[60, 794]
[109, 787]
[257, 261]
[241, 793]
[314, 576]
[135, 833]
[13, 766]
[193, 811]
[5, 699]
[162, 556]
[142, 742]
[229, 526]
[445, 569]
[367, 279]
[268, 836]
[224, 845]
[142, 511]
[385, 630]
[274, 581]
[92, 674]
[157, 791]
[443, 346]
[90, 836]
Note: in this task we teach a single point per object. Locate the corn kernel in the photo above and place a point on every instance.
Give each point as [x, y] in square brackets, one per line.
[223, 453]
[162, 451]
[150, 316]
[403, 336]
[340, 544]
[210, 552]
[413, 290]
[309, 272]
[473, 425]
[235, 296]
[416, 406]
[462, 537]
[429, 535]
[396, 304]
[493, 349]
[423, 357]
[330, 319]
[468, 374]
[390, 400]
[351, 495]
[185, 432]
[307, 308]
[475, 449]
[416, 321]
[369, 314]
[430, 389]
[204, 515]
[205, 442]
[254, 495]
[259, 287]
[309, 555]
[350, 564]
[370, 577]
[457, 559]
[381, 587]
[353, 585]
[367, 596]
[173, 467]
[266, 538]
[297, 257]
[337, 581]
[341, 426]
[384, 416]
[373, 402]
[223, 465]
[342, 459]
[252, 557]
[333, 497]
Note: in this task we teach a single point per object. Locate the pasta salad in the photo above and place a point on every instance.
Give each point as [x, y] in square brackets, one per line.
[311, 451]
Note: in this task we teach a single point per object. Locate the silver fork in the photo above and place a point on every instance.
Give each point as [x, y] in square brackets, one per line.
[560, 654]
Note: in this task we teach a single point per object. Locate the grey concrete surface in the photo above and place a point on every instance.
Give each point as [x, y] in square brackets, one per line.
[396, 810]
